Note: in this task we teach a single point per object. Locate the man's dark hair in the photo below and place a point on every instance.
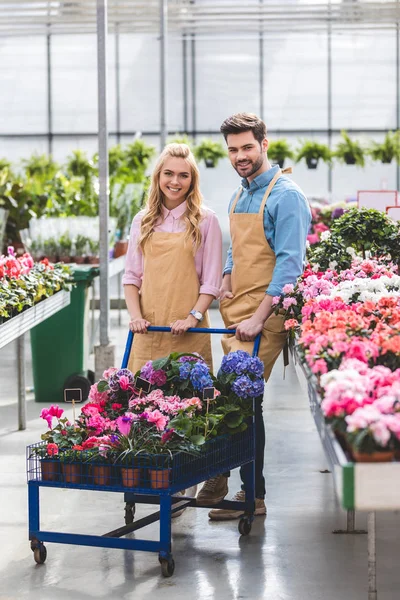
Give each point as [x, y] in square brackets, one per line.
[241, 122]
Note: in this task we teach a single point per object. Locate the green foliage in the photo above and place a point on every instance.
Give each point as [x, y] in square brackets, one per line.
[181, 138]
[388, 150]
[349, 151]
[313, 150]
[40, 166]
[279, 150]
[330, 252]
[210, 152]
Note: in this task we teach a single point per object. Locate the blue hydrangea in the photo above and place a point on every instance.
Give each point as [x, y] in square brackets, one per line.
[200, 377]
[258, 388]
[184, 371]
[233, 360]
[243, 387]
[255, 366]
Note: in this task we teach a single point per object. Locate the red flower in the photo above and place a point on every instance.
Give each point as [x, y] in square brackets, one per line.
[52, 449]
[77, 447]
[116, 406]
[64, 432]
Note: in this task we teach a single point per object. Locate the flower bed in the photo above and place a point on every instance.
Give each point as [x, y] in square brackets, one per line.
[187, 424]
[24, 283]
[347, 329]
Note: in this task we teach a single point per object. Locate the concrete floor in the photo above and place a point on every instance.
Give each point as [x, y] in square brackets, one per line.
[290, 555]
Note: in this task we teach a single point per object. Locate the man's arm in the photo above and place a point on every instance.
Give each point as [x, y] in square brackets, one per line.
[226, 287]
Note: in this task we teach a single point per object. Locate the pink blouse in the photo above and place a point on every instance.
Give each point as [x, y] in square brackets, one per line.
[208, 258]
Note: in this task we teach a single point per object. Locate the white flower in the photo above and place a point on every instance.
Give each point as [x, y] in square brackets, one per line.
[307, 245]
[315, 268]
[325, 235]
[333, 264]
[351, 251]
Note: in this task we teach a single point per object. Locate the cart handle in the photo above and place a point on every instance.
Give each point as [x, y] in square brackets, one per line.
[129, 341]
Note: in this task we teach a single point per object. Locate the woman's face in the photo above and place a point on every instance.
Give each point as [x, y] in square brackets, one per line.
[175, 179]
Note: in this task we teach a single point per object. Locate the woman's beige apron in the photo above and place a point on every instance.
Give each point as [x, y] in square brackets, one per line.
[253, 266]
[169, 291]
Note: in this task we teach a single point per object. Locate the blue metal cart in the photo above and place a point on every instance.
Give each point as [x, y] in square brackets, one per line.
[218, 456]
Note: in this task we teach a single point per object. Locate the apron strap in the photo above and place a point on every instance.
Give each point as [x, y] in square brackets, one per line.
[236, 200]
[269, 190]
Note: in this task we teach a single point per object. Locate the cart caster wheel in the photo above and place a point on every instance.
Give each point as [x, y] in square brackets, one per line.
[167, 567]
[129, 513]
[244, 526]
[40, 554]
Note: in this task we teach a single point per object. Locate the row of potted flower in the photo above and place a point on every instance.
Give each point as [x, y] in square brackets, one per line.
[135, 437]
[346, 324]
[24, 283]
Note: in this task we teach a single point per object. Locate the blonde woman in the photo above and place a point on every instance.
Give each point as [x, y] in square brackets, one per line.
[173, 267]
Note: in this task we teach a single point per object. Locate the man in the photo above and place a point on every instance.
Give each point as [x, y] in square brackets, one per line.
[269, 221]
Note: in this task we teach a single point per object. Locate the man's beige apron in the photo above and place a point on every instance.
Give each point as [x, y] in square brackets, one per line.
[169, 291]
[253, 265]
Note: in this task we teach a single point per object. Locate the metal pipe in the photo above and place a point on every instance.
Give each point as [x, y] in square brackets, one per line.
[21, 383]
[49, 97]
[351, 521]
[330, 173]
[117, 85]
[372, 591]
[261, 67]
[163, 71]
[103, 170]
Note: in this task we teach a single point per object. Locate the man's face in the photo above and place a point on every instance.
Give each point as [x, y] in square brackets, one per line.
[246, 154]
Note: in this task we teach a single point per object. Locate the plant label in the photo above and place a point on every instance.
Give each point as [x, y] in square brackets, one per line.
[143, 385]
[73, 395]
[209, 393]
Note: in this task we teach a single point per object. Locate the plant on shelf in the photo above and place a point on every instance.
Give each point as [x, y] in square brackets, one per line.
[312, 152]
[388, 150]
[40, 166]
[210, 152]
[349, 151]
[181, 138]
[94, 248]
[65, 247]
[81, 243]
[51, 247]
[279, 151]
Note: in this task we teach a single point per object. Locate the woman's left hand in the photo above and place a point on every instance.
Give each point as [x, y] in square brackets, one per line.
[182, 325]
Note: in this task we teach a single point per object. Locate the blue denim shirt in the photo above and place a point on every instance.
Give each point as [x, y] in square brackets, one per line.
[287, 219]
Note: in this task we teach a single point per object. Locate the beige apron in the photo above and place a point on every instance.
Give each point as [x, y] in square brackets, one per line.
[169, 291]
[253, 266]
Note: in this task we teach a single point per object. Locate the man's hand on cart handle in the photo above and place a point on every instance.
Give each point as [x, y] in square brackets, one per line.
[139, 325]
[182, 325]
[247, 330]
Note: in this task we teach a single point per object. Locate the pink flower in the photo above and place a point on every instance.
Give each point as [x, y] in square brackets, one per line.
[158, 419]
[287, 302]
[124, 382]
[45, 414]
[108, 372]
[319, 367]
[313, 238]
[124, 424]
[52, 449]
[275, 300]
[96, 396]
[288, 288]
[56, 411]
[290, 323]
[380, 432]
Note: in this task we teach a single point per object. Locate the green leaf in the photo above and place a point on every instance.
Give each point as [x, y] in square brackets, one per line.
[197, 440]
[102, 386]
[233, 420]
[160, 363]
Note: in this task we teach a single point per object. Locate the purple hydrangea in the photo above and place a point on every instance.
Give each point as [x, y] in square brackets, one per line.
[258, 388]
[147, 372]
[255, 366]
[233, 361]
[243, 387]
[200, 376]
[184, 359]
[113, 381]
[338, 212]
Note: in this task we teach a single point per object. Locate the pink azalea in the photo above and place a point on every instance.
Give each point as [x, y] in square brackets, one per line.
[313, 238]
[108, 372]
[288, 288]
[158, 419]
[96, 396]
[287, 302]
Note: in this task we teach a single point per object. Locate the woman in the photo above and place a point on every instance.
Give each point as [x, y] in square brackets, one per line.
[174, 262]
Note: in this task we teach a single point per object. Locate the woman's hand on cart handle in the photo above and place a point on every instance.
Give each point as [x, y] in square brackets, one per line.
[139, 325]
[247, 330]
[182, 325]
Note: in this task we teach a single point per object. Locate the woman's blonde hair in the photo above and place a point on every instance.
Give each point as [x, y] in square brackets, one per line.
[193, 214]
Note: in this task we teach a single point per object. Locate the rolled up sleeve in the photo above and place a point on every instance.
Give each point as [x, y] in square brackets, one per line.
[292, 218]
[134, 258]
[211, 268]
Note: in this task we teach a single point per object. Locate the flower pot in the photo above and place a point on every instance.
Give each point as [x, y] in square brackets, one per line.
[281, 163]
[79, 260]
[312, 163]
[120, 248]
[72, 472]
[65, 259]
[209, 162]
[385, 456]
[397, 454]
[386, 161]
[349, 160]
[50, 470]
[130, 476]
[159, 478]
[101, 475]
[93, 260]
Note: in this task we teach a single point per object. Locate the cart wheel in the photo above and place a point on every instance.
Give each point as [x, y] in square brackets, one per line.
[40, 554]
[244, 526]
[130, 510]
[167, 566]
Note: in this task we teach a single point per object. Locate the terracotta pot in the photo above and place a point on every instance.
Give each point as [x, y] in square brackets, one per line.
[120, 248]
[93, 260]
[50, 470]
[101, 475]
[79, 260]
[159, 478]
[72, 472]
[130, 476]
[364, 457]
[397, 454]
[65, 259]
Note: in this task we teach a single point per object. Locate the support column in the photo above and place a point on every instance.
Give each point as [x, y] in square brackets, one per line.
[21, 383]
[372, 591]
[163, 71]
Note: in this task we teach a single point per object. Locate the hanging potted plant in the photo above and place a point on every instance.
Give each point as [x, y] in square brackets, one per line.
[312, 152]
[210, 152]
[279, 151]
[349, 151]
[181, 138]
[387, 150]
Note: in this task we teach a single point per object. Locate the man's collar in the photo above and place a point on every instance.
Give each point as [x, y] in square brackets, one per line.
[261, 180]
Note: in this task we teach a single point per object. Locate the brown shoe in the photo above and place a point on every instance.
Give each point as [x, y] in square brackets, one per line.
[213, 491]
[227, 514]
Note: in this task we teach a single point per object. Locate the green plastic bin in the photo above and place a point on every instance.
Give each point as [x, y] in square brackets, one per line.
[60, 345]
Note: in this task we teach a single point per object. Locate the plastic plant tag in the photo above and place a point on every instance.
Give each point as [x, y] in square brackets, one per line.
[73, 395]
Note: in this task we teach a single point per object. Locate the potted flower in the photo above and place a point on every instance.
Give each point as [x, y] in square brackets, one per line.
[349, 151]
[100, 455]
[312, 152]
[93, 255]
[368, 435]
[130, 440]
[387, 150]
[210, 152]
[279, 151]
[80, 244]
[50, 466]
[65, 248]
[72, 464]
[50, 247]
